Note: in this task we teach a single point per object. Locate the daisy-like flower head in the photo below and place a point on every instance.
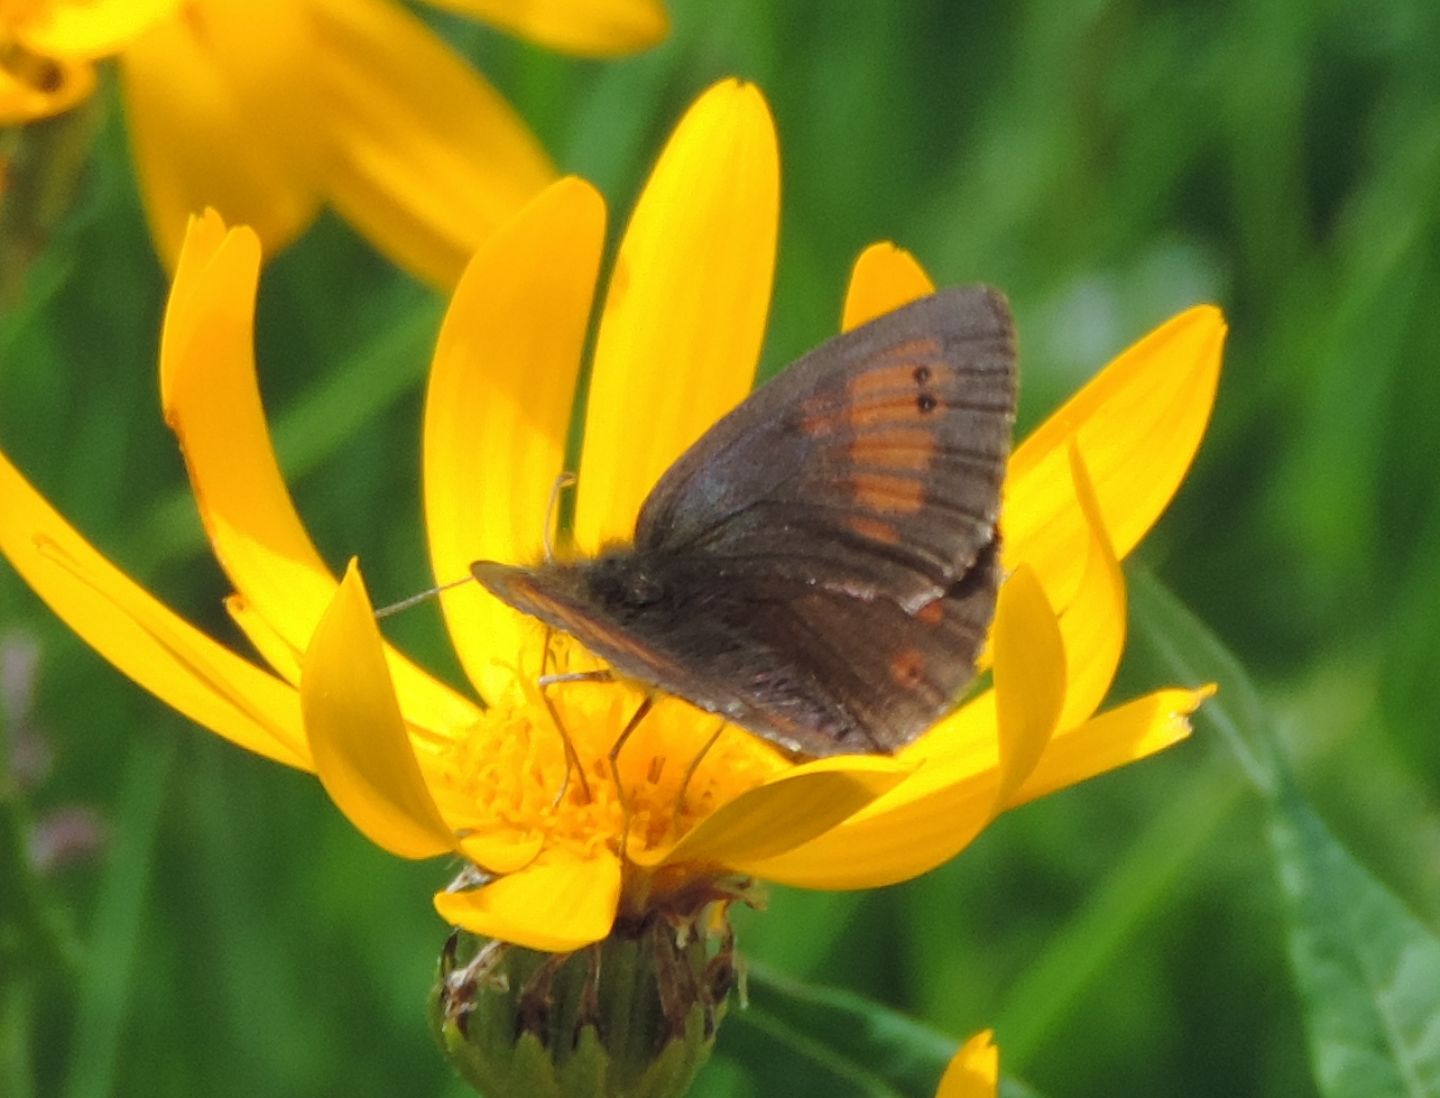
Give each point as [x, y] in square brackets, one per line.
[563, 856]
[267, 110]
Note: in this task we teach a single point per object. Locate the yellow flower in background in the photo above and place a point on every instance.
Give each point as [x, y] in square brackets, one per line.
[48, 49]
[268, 110]
[974, 1072]
[423, 770]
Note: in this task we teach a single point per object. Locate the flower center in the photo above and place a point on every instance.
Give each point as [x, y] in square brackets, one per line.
[511, 775]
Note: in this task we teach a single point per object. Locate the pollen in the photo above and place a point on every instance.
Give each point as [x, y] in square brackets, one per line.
[507, 777]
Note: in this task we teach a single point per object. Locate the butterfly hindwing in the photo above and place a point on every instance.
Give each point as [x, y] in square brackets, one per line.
[888, 674]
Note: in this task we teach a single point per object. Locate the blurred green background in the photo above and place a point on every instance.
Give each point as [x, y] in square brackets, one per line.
[1106, 163]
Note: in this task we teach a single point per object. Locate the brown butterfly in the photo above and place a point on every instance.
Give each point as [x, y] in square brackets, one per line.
[821, 567]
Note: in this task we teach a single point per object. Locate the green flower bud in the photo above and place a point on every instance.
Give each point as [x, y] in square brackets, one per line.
[634, 1016]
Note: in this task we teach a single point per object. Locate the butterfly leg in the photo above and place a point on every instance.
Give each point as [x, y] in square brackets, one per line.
[694, 765]
[575, 676]
[633, 723]
[572, 757]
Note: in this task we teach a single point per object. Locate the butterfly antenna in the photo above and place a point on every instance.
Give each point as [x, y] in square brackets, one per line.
[416, 600]
[563, 481]
[646, 704]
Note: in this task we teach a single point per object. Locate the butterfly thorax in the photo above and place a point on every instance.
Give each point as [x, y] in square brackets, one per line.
[624, 580]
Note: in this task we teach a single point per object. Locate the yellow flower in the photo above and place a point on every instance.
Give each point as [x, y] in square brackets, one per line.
[269, 109]
[47, 48]
[974, 1072]
[423, 770]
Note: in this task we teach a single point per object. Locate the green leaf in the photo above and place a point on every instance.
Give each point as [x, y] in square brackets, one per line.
[104, 994]
[1191, 654]
[1045, 1002]
[835, 1043]
[1367, 969]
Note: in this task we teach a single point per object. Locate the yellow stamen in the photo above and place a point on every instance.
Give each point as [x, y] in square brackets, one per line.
[501, 775]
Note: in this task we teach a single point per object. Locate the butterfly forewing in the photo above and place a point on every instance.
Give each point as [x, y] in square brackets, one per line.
[872, 465]
[817, 672]
[821, 566]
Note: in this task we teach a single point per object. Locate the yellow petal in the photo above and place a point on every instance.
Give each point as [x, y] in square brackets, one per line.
[197, 145]
[1094, 625]
[884, 278]
[212, 401]
[283, 659]
[558, 904]
[920, 824]
[1137, 426]
[164, 654]
[1029, 678]
[34, 87]
[362, 752]
[205, 233]
[964, 740]
[89, 28]
[975, 1070]
[596, 28]
[1119, 736]
[954, 792]
[785, 812]
[497, 410]
[939, 810]
[504, 852]
[685, 312]
[426, 158]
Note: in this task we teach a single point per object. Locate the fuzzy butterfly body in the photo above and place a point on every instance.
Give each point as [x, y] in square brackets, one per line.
[821, 566]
